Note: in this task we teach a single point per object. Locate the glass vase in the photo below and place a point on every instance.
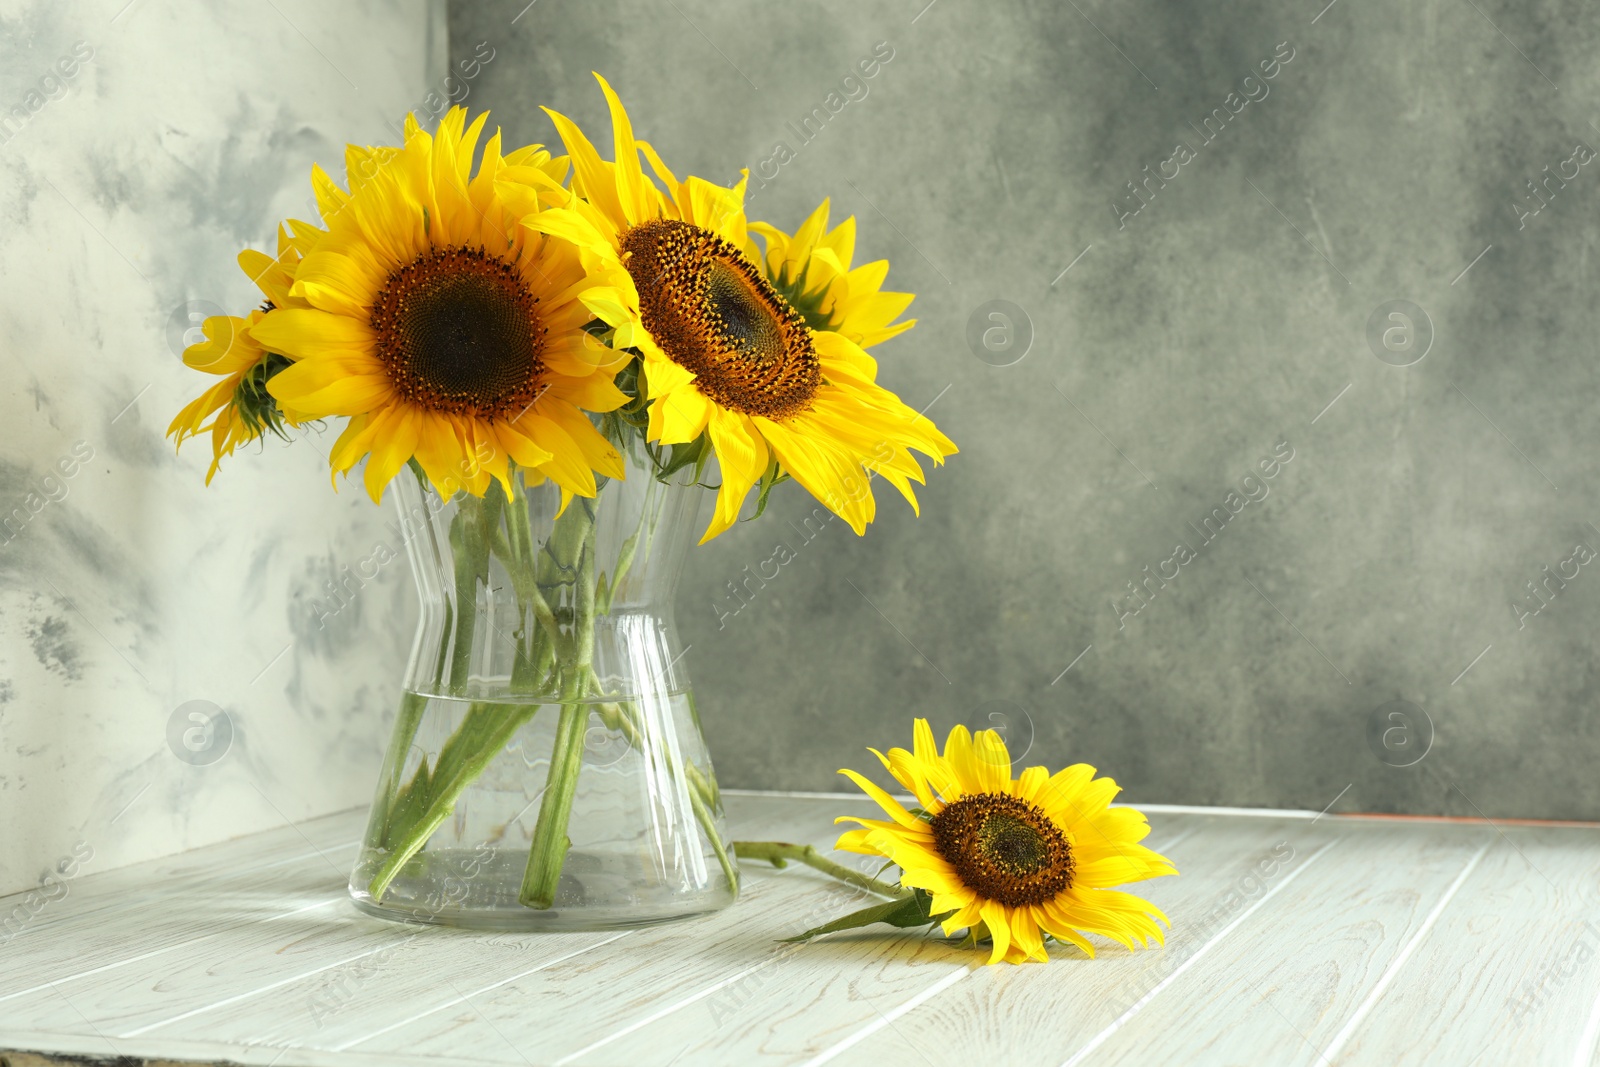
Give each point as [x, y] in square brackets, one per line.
[547, 769]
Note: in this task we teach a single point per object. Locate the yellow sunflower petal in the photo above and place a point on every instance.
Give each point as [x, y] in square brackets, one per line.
[1060, 927]
[309, 332]
[596, 451]
[998, 922]
[969, 914]
[909, 772]
[1025, 934]
[228, 346]
[566, 466]
[888, 803]
[683, 416]
[390, 452]
[632, 188]
[663, 377]
[590, 175]
[742, 455]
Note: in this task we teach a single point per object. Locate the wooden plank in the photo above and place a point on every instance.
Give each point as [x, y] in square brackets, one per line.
[814, 996]
[196, 991]
[137, 1050]
[1044, 1015]
[420, 971]
[96, 898]
[1281, 989]
[668, 968]
[1509, 972]
[98, 944]
[131, 1001]
[1393, 948]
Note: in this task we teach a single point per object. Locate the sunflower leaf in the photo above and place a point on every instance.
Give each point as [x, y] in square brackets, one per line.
[912, 911]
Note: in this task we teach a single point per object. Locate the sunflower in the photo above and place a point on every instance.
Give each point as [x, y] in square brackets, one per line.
[446, 332]
[1016, 860]
[724, 353]
[812, 271]
[239, 407]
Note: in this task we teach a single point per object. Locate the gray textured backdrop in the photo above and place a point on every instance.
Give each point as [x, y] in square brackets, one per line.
[1392, 148]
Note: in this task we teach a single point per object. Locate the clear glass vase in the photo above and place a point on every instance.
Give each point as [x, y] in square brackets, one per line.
[547, 769]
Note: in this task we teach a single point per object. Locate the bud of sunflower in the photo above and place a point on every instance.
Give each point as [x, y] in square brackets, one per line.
[256, 407]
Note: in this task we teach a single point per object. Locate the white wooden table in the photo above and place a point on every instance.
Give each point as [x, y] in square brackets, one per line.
[1296, 940]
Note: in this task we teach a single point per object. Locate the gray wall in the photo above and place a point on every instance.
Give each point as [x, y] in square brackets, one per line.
[1186, 342]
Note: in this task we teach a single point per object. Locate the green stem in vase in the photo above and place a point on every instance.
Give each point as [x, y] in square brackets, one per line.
[407, 721]
[548, 853]
[470, 530]
[559, 597]
[418, 809]
[700, 799]
[630, 548]
[525, 583]
[484, 731]
[704, 796]
[413, 705]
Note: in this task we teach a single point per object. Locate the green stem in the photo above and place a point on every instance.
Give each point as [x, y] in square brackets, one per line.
[449, 787]
[476, 532]
[544, 641]
[548, 853]
[466, 547]
[704, 796]
[708, 823]
[630, 547]
[779, 853]
[526, 586]
[407, 722]
[706, 787]
[413, 705]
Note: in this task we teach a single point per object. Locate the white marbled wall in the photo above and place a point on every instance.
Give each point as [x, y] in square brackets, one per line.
[143, 145]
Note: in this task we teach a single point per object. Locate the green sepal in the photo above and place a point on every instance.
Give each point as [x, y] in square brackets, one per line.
[257, 408]
[905, 913]
[682, 456]
[794, 290]
[774, 475]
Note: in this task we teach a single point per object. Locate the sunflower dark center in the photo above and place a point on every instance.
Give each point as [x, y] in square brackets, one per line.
[712, 312]
[459, 332]
[1004, 849]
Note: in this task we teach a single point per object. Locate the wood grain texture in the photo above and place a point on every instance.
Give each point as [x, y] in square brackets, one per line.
[1295, 941]
[1281, 989]
[1044, 1021]
[1510, 971]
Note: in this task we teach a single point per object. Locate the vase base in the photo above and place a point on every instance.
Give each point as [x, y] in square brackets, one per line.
[596, 893]
[529, 920]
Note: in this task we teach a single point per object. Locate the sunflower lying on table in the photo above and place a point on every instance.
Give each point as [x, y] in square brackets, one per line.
[1014, 862]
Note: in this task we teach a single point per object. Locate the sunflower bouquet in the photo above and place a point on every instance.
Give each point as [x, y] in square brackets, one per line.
[538, 327]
